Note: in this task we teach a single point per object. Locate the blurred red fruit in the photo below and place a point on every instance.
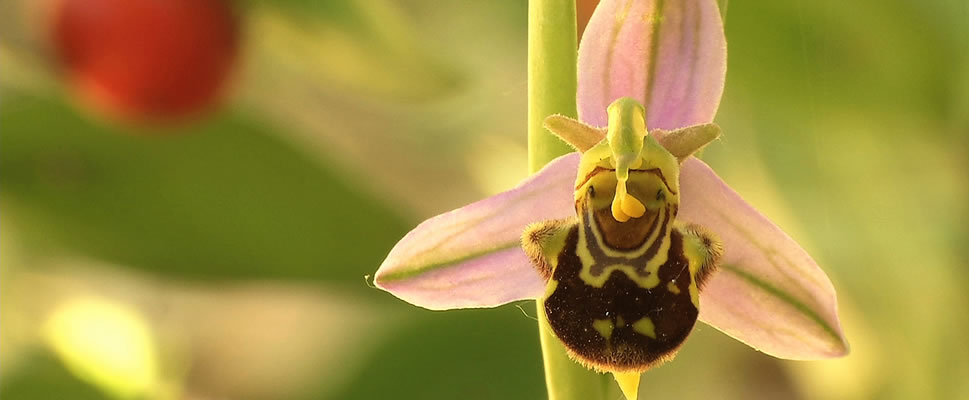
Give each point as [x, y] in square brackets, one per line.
[153, 60]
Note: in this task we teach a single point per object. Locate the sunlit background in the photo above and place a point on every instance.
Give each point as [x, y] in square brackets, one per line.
[223, 253]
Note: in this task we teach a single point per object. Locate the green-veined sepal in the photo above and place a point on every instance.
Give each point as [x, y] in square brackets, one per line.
[769, 293]
[471, 257]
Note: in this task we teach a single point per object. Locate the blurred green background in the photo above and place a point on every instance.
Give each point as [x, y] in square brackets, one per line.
[239, 244]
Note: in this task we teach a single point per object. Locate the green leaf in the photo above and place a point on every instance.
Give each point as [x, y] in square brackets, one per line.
[221, 199]
[43, 377]
[461, 354]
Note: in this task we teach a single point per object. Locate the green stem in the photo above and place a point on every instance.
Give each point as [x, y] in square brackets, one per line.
[551, 90]
[551, 75]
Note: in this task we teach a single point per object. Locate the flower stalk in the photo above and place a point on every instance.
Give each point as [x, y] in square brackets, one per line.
[552, 53]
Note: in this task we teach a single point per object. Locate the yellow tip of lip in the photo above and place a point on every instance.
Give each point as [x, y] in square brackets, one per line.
[629, 383]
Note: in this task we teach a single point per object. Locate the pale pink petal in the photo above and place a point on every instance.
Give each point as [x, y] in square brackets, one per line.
[769, 293]
[471, 257]
[672, 60]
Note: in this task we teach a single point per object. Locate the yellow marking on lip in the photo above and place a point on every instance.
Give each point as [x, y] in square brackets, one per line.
[582, 250]
[604, 327]
[550, 287]
[587, 217]
[645, 327]
[649, 281]
[694, 295]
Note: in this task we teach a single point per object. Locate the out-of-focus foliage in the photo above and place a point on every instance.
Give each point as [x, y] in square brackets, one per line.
[224, 199]
[243, 240]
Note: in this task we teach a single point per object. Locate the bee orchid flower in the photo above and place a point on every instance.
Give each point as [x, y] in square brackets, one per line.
[665, 63]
